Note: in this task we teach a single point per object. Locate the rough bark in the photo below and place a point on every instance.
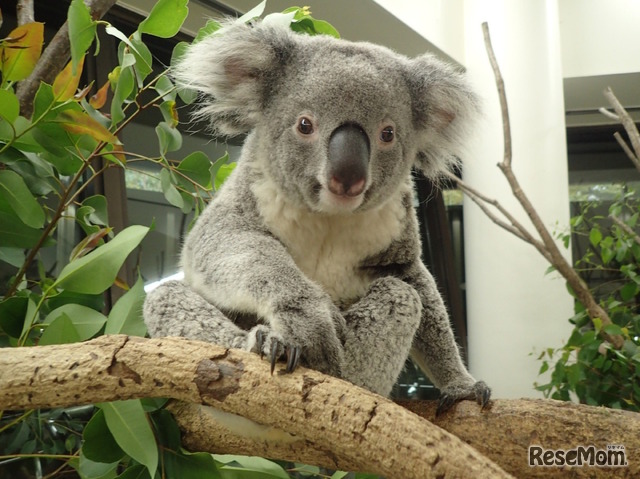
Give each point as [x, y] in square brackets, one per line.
[358, 430]
[328, 422]
[54, 57]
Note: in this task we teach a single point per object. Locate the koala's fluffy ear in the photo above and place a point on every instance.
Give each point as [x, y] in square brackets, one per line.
[234, 70]
[444, 109]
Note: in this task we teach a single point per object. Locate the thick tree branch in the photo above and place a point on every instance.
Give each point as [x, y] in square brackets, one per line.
[626, 228]
[328, 422]
[54, 57]
[356, 428]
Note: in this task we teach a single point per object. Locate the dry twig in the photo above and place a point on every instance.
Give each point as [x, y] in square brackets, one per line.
[546, 245]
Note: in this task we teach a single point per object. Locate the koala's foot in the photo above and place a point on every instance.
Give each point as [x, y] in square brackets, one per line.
[454, 393]
[262, 340]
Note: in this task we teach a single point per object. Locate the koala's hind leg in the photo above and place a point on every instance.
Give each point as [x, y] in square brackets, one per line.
[379, 334]
[173, 309]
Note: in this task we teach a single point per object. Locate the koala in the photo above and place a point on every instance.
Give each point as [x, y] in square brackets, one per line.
[310, 252]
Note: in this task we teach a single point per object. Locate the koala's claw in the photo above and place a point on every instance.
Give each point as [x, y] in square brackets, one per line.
[293, 358]
[479, 391]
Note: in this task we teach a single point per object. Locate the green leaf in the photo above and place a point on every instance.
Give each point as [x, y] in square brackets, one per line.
[12, 315]
[191, 466]
[196, 167]
[126, 315]
[82, 30]
[262, 468]
[95, 272]
[88, 469]
[169, 138]
[16, 193]
[60, 331]
[9, 106]
[128, 424]
[222, 174]
[43, 101]
[167, 429]
[135, 472]
[124, 87]
[143, 57]
[629, 291]
[165, 87]
[253, 13]
[80, 123]
[98, 442]
[16, 234]
[86, 321]
[595, 236]
[171, 193]
[165, 19]
[187, 95]
[209, 28]
[612, 329]
[13, 256]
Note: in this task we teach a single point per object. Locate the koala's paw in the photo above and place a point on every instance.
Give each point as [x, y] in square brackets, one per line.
[454, 393]
[265, 342]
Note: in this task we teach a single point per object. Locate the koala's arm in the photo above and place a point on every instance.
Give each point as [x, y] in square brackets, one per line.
[237, 266]
[434, 347]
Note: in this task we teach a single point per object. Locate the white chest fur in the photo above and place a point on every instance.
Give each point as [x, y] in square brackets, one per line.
[329, 248]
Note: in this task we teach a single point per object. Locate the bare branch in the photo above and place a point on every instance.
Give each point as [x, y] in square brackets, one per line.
[630, 154]
[515, 227]
[626, 228]
[627, 122]
[54, 57]
[550, 250]
[609, 114]
[24, 12]
[506, 124]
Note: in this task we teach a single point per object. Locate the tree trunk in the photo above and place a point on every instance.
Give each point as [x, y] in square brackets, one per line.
[327, 421]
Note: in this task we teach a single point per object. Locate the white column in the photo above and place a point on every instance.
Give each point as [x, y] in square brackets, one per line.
[513, 308]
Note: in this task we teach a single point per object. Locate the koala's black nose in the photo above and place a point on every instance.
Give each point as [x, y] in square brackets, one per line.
[348, 160]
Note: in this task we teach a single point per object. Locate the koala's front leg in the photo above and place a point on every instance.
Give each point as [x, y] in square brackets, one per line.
[257, 275]
[380, 330]
[174, 309]
[435, 349]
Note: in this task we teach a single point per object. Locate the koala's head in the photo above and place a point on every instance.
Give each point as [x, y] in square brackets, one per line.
[339, 124]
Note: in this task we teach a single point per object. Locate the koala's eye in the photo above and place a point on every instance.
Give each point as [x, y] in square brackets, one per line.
[305, 126]
[387, 134]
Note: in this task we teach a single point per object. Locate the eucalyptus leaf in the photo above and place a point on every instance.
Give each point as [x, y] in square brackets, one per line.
[95, 272]
[17, 194]
[126, 315]
[259, 467]
[169, 138]
[191, 466]
[82, 30]
[60, 331]
[98, 442]
[165, 19]
[196, 166]
[12, 255]
[171, 193]
[128, 424]
[86, 321]
[88, 469]
[13, 311]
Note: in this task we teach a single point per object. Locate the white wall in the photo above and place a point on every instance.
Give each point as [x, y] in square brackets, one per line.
[600, 37]
[513, 309]
[439, 21]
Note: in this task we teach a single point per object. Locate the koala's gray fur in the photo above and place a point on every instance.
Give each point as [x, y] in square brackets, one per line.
[293, 253]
